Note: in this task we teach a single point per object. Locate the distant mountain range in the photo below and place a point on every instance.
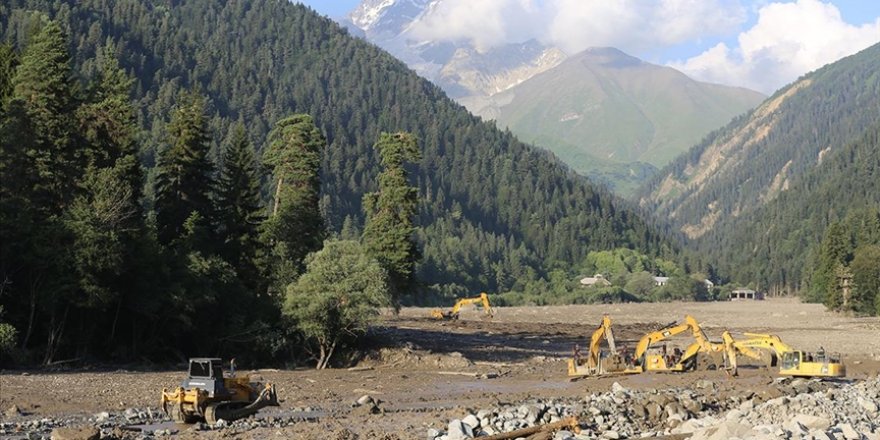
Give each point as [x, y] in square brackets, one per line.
[606, 114]
[612, 116]
[459, 68]
[758, 194]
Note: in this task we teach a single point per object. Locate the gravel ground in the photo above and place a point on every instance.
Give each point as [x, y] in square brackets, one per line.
[425, 374]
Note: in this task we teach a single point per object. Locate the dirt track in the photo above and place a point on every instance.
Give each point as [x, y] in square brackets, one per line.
[414, 374]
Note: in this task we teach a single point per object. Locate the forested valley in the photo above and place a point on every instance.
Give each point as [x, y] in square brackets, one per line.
[145, 150]
[220, 177]
[800, 170]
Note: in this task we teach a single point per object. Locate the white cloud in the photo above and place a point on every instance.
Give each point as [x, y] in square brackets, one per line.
[574, 25]
[788, 40]
[633, 25]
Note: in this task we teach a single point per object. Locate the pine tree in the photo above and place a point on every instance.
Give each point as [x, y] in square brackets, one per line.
[390, 213]
[865, 268]
[239, 211]
[106, 218]
[832, 254]
[184, 181]
[295, 225]
[8, 64]
[44, 86]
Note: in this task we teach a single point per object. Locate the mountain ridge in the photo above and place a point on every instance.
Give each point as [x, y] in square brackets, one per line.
[604, 108]
[723, 187]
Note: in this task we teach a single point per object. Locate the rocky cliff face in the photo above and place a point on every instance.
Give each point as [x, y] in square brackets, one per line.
[460, 68]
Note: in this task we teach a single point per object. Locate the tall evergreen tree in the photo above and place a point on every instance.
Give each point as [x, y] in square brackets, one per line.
[43, 83]
[185, 177]
[42, 156]
[295, 225]
[832, 255]
[865, 268]
[239, 208]
[8, 64]
[106, 218]
[390, 212]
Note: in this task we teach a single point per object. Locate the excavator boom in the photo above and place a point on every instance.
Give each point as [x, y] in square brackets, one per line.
[456, 309]
[687, 360]
[593, 365]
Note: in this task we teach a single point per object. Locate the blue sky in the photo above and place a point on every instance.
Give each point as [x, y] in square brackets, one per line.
[332, 8]
[759, 44]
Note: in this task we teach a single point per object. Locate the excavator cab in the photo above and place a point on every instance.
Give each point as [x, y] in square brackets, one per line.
[806, 364]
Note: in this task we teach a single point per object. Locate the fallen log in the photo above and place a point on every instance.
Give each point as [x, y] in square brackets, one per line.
[569, 422]
[361, 368]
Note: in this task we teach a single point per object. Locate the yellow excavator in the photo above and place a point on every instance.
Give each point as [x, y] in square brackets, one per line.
[595, 363]
[649, 357]
[793, 362]
[206, 394]
[453, 313]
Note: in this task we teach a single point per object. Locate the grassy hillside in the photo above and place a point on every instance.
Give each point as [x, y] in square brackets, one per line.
[602, 107]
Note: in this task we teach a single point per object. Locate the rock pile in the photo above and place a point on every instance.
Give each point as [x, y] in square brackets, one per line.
[849, 412]
[805, 410]
[620, 413]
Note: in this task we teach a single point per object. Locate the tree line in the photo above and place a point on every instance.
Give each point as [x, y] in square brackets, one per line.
[494, 214]
[206, 266]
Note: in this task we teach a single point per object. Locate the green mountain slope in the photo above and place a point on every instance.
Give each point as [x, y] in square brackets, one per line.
[602, 108]
[774, 244]
[758, 193]
[495, 213]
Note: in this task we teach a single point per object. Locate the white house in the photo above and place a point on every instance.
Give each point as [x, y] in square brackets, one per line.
[745, 294]
[595, 280]
[661, 281]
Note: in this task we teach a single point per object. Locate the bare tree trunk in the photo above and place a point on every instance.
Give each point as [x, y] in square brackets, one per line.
[321, 357]
[115, 320]
[330, 353]
[55, 335]
[277, 196]
[35, 285]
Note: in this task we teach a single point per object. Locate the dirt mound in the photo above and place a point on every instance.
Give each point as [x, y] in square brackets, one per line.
[411, 357]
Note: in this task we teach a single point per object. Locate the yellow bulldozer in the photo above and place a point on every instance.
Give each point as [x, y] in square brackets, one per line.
[456, 309]
[791, 362]
[207, 395]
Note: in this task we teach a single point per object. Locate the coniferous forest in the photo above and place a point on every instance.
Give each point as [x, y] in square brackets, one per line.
[210, 177]
[168, 167]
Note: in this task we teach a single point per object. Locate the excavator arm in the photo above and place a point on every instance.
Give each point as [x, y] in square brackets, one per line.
[688, 357]
[592, 365]
[453, 313]
[604, 330]
[771, 343]
[660, 335]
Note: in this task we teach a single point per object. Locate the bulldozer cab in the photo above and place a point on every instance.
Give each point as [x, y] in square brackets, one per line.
[206, 368]
[206, 374]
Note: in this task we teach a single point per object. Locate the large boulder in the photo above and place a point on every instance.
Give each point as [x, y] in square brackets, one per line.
[723, 431]
[457, 430]
[83, 433]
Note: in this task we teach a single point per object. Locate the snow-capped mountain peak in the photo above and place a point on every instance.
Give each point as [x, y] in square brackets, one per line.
[387, 16]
